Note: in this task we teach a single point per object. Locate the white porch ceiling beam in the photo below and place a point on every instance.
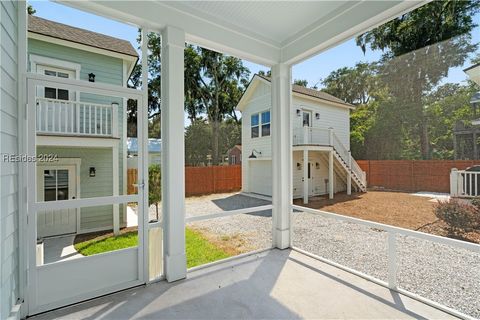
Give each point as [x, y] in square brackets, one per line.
[156, 15]
[353, 21]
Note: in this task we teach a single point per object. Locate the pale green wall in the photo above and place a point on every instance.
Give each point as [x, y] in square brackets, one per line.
[98, 186]
[107, 70]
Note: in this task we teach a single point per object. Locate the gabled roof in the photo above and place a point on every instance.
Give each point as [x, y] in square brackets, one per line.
[299, 90]
[93, 39]
[237, 146]
[473, 73]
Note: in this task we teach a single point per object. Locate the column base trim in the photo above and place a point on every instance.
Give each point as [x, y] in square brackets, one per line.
[175, 267]
[282, 239]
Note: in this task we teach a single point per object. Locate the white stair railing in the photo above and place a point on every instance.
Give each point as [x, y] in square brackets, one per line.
[65, 117]
[326, 137]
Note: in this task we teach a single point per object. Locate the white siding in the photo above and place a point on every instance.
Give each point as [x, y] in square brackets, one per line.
[260, 101]
[337, 118]
[9, 256]
[319, 174]
[330, 117]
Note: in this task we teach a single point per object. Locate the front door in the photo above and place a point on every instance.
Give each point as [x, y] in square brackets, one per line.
[306, 118]
[56, 183]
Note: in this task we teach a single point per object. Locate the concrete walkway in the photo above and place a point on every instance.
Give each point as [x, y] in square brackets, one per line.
[273, 285]
[59, 249]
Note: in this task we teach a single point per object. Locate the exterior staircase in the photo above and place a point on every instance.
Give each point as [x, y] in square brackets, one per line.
[343, 160]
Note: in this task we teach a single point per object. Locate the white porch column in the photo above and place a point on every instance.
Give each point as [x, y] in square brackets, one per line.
[282, 154]
[330, 174]
[173, 150]
[349, 174]
[305, 176]
[116, 173]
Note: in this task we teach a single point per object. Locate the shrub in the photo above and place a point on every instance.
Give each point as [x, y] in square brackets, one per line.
[460, 216]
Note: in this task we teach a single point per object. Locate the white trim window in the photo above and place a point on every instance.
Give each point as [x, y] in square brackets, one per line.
[265, 123]
[260, 124]
[56, 93]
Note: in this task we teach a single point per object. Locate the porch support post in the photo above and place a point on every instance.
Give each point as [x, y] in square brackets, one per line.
[173, 150]
[349, 173]
[305, 176]
[330, 174]
[282, 154]
[115, 184]
[475, 147]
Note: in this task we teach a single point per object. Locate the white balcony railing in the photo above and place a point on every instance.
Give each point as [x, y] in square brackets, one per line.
[464, 183]
[63, 117]
[327, 137]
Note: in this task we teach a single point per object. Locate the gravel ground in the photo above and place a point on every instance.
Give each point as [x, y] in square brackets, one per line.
[444, 274]
[251, 231]
[447, 275]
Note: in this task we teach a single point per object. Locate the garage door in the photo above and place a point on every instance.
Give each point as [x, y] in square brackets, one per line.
[260, 177]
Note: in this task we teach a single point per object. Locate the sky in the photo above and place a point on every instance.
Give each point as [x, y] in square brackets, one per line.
[313, 70]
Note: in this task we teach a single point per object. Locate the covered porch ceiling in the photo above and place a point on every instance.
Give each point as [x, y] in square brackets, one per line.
[264, 32]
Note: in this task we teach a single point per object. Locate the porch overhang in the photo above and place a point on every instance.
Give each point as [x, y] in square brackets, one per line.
[267, 33]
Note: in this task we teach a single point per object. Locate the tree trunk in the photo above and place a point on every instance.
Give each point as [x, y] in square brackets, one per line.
[215, 138]
[424, 140]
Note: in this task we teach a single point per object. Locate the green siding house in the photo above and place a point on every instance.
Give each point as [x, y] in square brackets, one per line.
[84, 134]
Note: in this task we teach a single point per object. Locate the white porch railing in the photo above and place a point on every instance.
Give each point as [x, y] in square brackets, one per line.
[464, 183]
[63, 117]
[327, 137]
[392, 253]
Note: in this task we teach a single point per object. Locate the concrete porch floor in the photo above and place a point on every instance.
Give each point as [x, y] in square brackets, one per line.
[274, 284]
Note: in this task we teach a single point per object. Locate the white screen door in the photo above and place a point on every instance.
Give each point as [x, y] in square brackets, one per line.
[56, 207]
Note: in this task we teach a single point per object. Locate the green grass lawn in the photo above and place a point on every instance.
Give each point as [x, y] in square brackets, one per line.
[199, 250]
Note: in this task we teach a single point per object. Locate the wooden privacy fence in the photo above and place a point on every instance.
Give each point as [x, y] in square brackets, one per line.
[412, 175]
[202, 180]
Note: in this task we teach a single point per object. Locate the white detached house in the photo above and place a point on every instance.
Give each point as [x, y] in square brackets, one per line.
[321, 159]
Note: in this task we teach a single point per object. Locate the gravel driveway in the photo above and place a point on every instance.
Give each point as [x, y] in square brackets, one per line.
[440, 273]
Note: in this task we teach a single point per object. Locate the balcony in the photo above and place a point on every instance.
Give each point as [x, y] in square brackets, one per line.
[75, 118]
[309, 136]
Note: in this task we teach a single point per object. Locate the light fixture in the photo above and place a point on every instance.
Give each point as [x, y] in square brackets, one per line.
[299, 112]
[92, 171]
[299, 166]
[253, 156]
[317, 165]
[317, 116]
[91, 77]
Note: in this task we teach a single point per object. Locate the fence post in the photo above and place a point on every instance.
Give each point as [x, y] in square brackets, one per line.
[392, 260]
[454, 182]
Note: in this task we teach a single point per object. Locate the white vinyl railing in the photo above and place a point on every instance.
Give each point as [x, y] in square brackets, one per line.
[311, 136]
[392, 259]
[65, 117]
[464, 183]
[327, 137]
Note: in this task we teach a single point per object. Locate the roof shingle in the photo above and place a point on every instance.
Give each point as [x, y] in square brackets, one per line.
[65, 32]
[313, 93]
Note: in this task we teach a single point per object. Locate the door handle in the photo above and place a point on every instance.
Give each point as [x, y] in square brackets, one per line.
[73, 198]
